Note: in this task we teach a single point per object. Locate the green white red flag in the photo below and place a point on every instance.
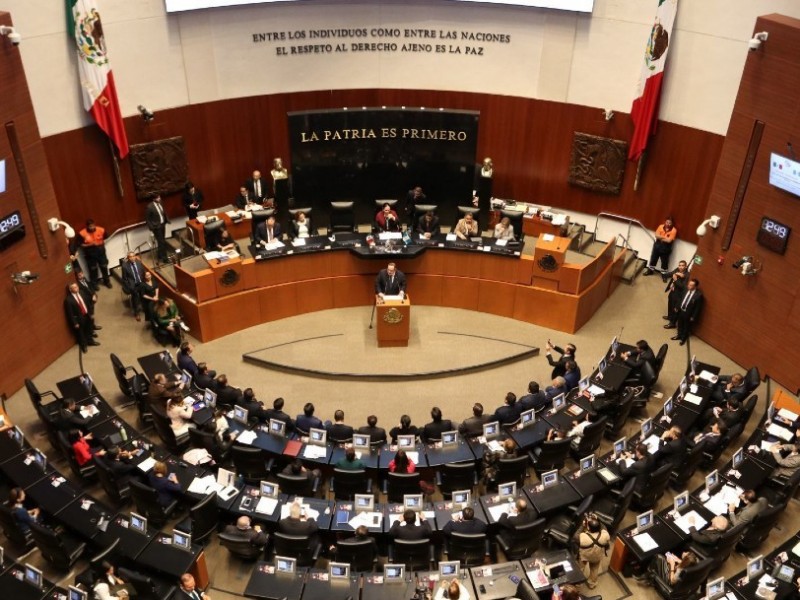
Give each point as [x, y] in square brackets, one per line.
[644, 111]
[97, 80]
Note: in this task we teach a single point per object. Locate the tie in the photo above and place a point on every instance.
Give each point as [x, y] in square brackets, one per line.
[257, 188]
[269, 234]
[160, 212]
[391, 283]
[135, 273]
[686, 300]
[195, 595]
[80, 303]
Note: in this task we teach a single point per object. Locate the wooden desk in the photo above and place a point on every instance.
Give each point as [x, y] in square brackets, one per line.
[238, 229]
[536, 226]
[548, 257]
[394, 318]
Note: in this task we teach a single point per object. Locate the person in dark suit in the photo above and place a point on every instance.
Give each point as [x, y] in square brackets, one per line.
[676, 286]
[192, 199]
[386, 219]
[227, 394]
[188, 590]
[257, 189]
[405, 428]
[534, 399]
[432, 432]
[268, 231]
[243, 198]
[671, 448]
[711, 436]
[185, 360]
[389, 282]
[338, 431]
[730, 414]
[466, 523]
[361, 534]
[205, 378]
[572, 374]
[307, 420]
[413, 197]
[89, 295]
[116, 461]
[709, 536]
[509, 412]
[557, 387]
[635, 360]
[521, 515]
[157, 220]
[729, 386]
[428, 225]
[76, 310]
[689, 310]
[473, 426]
[408, 529]
[255, 408]
[276, 412]
[243, 529]
[377, 435]
[298, 524]
[639, 469]
[164, 483]
[68, 417]
[132, 277]
[560, 365]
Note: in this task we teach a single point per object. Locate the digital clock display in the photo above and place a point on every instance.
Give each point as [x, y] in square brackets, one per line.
[773, 235]
[11, 229]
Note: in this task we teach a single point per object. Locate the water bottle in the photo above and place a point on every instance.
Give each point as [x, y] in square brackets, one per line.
[123, 433]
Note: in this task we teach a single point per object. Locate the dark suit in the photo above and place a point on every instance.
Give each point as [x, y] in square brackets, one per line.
[187, 363]
[339, 431]
[260, 194]
[528, 515]
[189, 199]
[560, 365]
[228, 395]
[411, 203]
[88, 294]
[206, 381]
[722, 394]
[167, 490]
[637, 359]
[262, 235]
[242, 201]
[551, 391]
[279, 415]
[709, 537]
[572, 377]
[395, 431]
[304, 423]
[672, 452]
[469, 527]
[256, 538]
[390, 285]
[157, 223]
[418, 531]
[79, 323]
[507, 414]
[675, 290]
[66, 420]
[425, 226]
[298, 527]
[689, 311]
[532, 401]
[640, 470]
[433, 430]
[473, 426]
[376, 434]
[132, 277]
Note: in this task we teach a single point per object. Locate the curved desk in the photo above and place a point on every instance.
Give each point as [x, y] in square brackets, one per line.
[220, 299]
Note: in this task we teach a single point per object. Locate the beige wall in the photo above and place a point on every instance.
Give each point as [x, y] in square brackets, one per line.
[167, 61]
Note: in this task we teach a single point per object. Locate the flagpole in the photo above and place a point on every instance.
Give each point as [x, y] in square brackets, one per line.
[639, 167]
[117, 175]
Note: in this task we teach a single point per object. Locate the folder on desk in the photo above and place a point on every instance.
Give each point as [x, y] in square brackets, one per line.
[293, 448]
[780, 432]
[645, 541]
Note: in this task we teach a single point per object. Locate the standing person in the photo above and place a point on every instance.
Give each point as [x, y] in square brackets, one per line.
[678, 279]
[156, 219]
[77, 314]
[390, 282]
[192, 199]
[148, 292]
[93, 244]
[256, 188]
[483, 188]
[132, 278]
[89, 297]
[593, 543]
[280, 182]
[413, 197]
[662, 247]
[560, 365]
[689, 310]
[466, 228]
[386, 219]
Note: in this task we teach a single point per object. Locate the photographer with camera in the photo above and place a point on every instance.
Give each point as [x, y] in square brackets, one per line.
[593, 543]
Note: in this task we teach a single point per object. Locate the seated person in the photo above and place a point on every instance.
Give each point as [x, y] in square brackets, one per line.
[243, 199]
[466, 228]
[377, 435]
[276, 412]
[386, 219]
[227, 395]
[730, 413]
[407, 528]
[162, 389]
[255, 408]
[168, 319]
[361, 534]
[521, 514]
[554, 434]
[670, 567]
[83, 452]
[635, 360]
[301, 226]
[578, 427]
[729, 386]
[164, 483]
[432, 432]
[116, 460]
[535, 399]
[338, 431]
[205, 377]
[509, 412]
[639, 469]
[711, 534]
[428, 225]
[465, 523]
[225, 243]
[401, 463]
[244, 529]
[491, 461]
[350, 462]
[307, 420]
[296, 468]
[68, 416]
[473, 426]
[298, 524]
[572, 374]
[268, 231]
[108, 585]
[185, 360]
[752, 506]
[567, 592]
[405, 428]
[711, 436]
[671, 448]
[504, 230]
[180, 416]
[451, 589]
[23, 516]
[556, 388]
[787, 465]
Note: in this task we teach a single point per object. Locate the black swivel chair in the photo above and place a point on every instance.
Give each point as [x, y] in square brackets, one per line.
[523, 540]
[306, 550]
[213, 232]
[85, 472]
[721, 551]
[251, 463]
[656, 484]
[343, 218]
[37, 397]
[562, 528]
[661, 356]
[752, 379]
[258, 217]
[646, 379]
[553, 455]
[680, 477]
[420, 210]
[470, 549]
[361, 555]
[88, 576]
[525, 590]
[130, 381]
[148, 587]
[161, 423]
[400, 484]
[456, 476]
[146, 501]
[203, 519]
[512, 469]
[415, 554]
[711, 455]
[298, 485]
[614, 426]
[515, 218]
[206, 439]
[688, 586]
[779, 490]
[610, 509]
[590, 440]
[760, 527]
[240, 547]
[118, 490]
[22, 540]
[59, 549]
[345, 484]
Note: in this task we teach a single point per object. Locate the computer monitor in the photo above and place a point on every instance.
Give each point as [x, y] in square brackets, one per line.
[715, 589]
[406, 441]
[285, 564]
[361, 441]
[681, 501]
[784, 573]
[614, 346]
[668, 406]
[210, 398]
[755, 568]
[240, 415]
[182, 540]
[583, 384]
[602, 366]
[462, 497]
[738, 458]
[225, 478]
[364, 502]
[40, 459]
[337, 570]
[644, 521]
[647, 427]
[17, 435]
[559, 402]
[683, 387]
[588, 464]
[449, 438]
[318, 437]
[87, 381]
[619, 447]
[186, 378]
[491, 430]
[77, 594]
[267, 489]
[33, 576]
[550, 478]
[693, 366]
[138, 523]
[412, 502]
[166, 357]
[712, 480]
[449, 568]
[770, 412]
[277, 427]
[527, 417]
[507, 490]
[394, 573]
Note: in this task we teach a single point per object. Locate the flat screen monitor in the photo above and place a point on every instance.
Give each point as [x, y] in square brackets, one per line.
[449, 438]
[490, 430]
[583, 384]
[712, 480]
[406, 441]
[462, 497]
[619, 447]
[602, 366]
[285, 564]
[668, 406]
[693, 366]
[412, 502]
[40, 459]
[337, 570]
[588, 464]
[684, 385]
[681, 501]
[364, 502]
[614, 346]
[644, 521]
[240, 415]
[527, 417]
[17, 436]
[784, 173]
[87, 381]
[394, 573]
[167, 358]
[755, 568]
[210, 398]
[559, 402]
[449, 568]
[507, 490]
[268, 489]
[182, 540]
[318, 437]
[342, 516]
[277, 427]
[186, 378]
[225, 478]
[77, 593]
[361, 441]
[138, 523]
[549, 478]
[770, 412]
[647, 427]
[784, 573]
[715, 589]
[33, 576]
[738, 458]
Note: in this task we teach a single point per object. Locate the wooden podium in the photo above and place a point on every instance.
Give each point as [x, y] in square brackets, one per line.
[394, 320]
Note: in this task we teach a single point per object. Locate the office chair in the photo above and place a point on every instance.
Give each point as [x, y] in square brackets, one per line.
[752, 379]
[298, 485]
[240, 547]
[552, 455]
[212, 231]
[656, 484]
[420, 210]
[523, 540]
[719, 552]
[85, 472]
[451, 477]
[293, 215]
[22, 540]
[681, 476]
[161, 423]
[258, 217]
[470, 549]
[208, 440]
[148, 587]
[146, 501]
[590, 440]
[760, 527]
[306, 550]
[128, 385]
[59, 549]
[562, 528]
[118, 490]
[512, 469]
[345, 484]
[610, 509]
[415, 554]
[614, 427]
[361, 555]
[400, 484]
[251, 463]
[693, 578]
[203, 519]
[515, 217]
[342, 218]
[779, 490]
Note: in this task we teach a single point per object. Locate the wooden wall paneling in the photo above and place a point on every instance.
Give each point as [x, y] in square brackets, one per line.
[314, 295]
[353, 290]
[460, 292]
[592, 298]
[555, 311]
[499, 268]
[496, 298]
[425, 289]
[277, 302]
[569, 279]
[229, 314]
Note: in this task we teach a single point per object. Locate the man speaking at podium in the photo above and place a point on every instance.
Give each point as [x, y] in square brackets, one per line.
[389, 282]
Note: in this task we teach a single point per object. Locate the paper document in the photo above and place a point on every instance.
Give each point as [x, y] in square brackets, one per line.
[559, 219]
[645, 541]
[684, 523]
[652, 443]
[147, 464]
[780, 432]
[787, 414]
[311, 451]
[266, 505]
[501, 242]
[498, 509]
[538, 578]
[299, 242]
[718, 503]
[367, 519]
[215, 255]
[492, 445]
[274, 245]
[398, 297]
[246, 437]
[89, 411]
[708, 376]
[692, 398]
[596, 390]
[548, 237]
[202, 485]
[390, 235]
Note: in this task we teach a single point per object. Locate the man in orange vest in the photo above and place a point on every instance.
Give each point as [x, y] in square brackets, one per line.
[92, 240]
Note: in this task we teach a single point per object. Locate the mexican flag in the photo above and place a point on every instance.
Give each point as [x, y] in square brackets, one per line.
[97, 81]
[645, 108]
